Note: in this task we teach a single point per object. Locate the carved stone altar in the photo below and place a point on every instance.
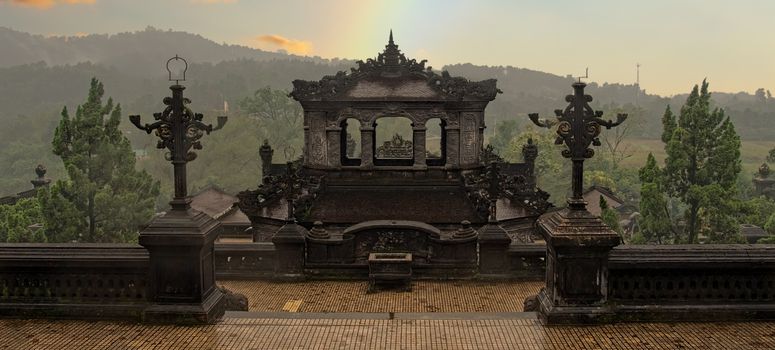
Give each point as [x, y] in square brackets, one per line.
[397, 148]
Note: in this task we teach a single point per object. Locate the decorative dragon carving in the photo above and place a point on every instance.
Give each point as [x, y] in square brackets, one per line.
[485, 186]
[293, 184]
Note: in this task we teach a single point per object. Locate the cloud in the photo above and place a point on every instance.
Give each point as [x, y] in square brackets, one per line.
[211, 2]
[277, 42]
[46, 4]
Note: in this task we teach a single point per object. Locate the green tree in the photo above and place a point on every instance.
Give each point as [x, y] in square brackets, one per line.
[505, 131]
[655, 225]
[280, 117]
[769, 226]
[104, 193]
[702, 164]
[62, 220]
[668, 124]
[756, 211]
[614, 145]
[18, 222]
[609, 216]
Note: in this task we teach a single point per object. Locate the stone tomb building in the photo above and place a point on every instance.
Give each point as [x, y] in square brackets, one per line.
[361, 189]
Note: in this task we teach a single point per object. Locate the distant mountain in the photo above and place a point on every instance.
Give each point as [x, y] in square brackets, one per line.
[131, 51]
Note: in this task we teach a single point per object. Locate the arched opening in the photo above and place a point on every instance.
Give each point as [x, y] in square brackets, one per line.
[393, 141]
[350, 142]
[435, 142]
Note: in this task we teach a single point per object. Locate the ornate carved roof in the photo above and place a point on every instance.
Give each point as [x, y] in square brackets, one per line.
[391, 74]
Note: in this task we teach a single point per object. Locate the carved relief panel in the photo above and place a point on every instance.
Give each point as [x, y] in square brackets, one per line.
[317, 139]
[468, 139]
[387, 240]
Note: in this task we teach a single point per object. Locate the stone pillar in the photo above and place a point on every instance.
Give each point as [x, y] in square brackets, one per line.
[182, 273]
[418, 142]
[493, 247]
[453, 147]
[334, 136]
[290, 244]
[530, 153]
[480, 142]
[578, 244]
[306, 149]
[367, 146]
[265, 152]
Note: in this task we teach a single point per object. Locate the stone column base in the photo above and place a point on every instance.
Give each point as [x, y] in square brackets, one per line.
[210, 310]
[572, 314]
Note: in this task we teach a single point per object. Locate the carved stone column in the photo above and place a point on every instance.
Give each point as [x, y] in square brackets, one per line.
[306, 148]
[367, 146]
[480, 143]
[266, 152]
[530, 153]
[333, 135]
[418, 143]
[453, 147]
[578, 244]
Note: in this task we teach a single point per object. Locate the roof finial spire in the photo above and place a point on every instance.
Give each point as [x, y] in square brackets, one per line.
[390, 41]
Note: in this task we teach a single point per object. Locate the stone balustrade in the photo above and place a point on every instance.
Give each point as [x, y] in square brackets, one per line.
[73, 280]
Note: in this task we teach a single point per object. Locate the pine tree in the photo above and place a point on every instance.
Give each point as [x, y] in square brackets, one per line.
[654, 221]
[668, 125]
[702, 164]
[63, 222]
[105, 198]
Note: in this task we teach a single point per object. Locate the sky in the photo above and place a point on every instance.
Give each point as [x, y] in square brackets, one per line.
[676, 42]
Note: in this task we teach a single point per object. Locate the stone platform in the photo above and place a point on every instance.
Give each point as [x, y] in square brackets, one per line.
[501, 332]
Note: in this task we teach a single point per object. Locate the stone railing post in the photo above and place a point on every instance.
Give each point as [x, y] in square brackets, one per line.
[493, 240]
[290, 241]
[180, 243]
[493, 251]
[290, 244]
[578, 243]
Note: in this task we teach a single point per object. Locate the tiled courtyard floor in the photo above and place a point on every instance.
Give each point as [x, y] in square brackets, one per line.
[340, 315]
[262, 333]
[351, 296]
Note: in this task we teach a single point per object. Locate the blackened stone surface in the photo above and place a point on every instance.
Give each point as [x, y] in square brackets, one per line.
[576, 269]
[182, 268]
